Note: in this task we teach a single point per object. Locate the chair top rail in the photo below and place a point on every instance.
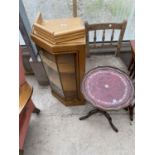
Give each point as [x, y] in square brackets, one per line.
[101, 26]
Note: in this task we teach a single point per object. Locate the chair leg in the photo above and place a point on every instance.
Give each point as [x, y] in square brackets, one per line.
[133, 76]
[132, 70]
[131, 108]
[36, 110]
[110, 120]
[94, 111]
[131, 63]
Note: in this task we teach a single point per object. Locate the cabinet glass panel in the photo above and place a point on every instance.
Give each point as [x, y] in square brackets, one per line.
[67, 69]
[52, 72]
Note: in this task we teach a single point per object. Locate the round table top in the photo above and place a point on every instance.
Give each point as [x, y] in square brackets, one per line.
[108, 88]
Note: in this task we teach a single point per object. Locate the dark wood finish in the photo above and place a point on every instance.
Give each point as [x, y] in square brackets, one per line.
[104, 27]
[129, 107]
[131, 111]
[131, 69]
[94, 111]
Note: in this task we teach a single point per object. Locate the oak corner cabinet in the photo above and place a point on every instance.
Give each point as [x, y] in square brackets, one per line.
[65, 68]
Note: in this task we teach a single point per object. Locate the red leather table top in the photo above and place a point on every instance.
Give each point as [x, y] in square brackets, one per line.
[108, 88]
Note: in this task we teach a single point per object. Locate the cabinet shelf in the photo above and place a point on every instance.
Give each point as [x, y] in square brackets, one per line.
[63, 67]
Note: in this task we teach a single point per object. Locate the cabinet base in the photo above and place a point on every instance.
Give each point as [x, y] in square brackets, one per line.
[73, 102]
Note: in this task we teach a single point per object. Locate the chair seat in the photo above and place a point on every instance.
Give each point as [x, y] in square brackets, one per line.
[108, 88]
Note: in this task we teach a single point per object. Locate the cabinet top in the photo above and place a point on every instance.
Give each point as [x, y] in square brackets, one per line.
[71, 45]
[59, 31]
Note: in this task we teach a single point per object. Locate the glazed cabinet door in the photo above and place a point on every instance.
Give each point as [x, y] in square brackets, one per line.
[61, 70]
[51, 67]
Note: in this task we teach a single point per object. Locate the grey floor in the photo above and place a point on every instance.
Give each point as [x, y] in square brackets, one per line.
[58, 131]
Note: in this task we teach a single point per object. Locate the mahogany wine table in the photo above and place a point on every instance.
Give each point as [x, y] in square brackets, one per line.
[107, 88]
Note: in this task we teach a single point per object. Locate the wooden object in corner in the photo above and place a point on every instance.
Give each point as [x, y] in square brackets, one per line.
[26, 106]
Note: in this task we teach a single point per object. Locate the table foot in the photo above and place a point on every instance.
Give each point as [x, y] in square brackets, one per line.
[110, 120]
[131, 109]
[89, 114]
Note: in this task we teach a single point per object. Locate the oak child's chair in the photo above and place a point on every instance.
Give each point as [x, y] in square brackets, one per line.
[26, 106]
[115, 41]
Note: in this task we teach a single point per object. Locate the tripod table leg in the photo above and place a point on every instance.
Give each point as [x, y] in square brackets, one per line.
[89, 114]
[110, 120]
